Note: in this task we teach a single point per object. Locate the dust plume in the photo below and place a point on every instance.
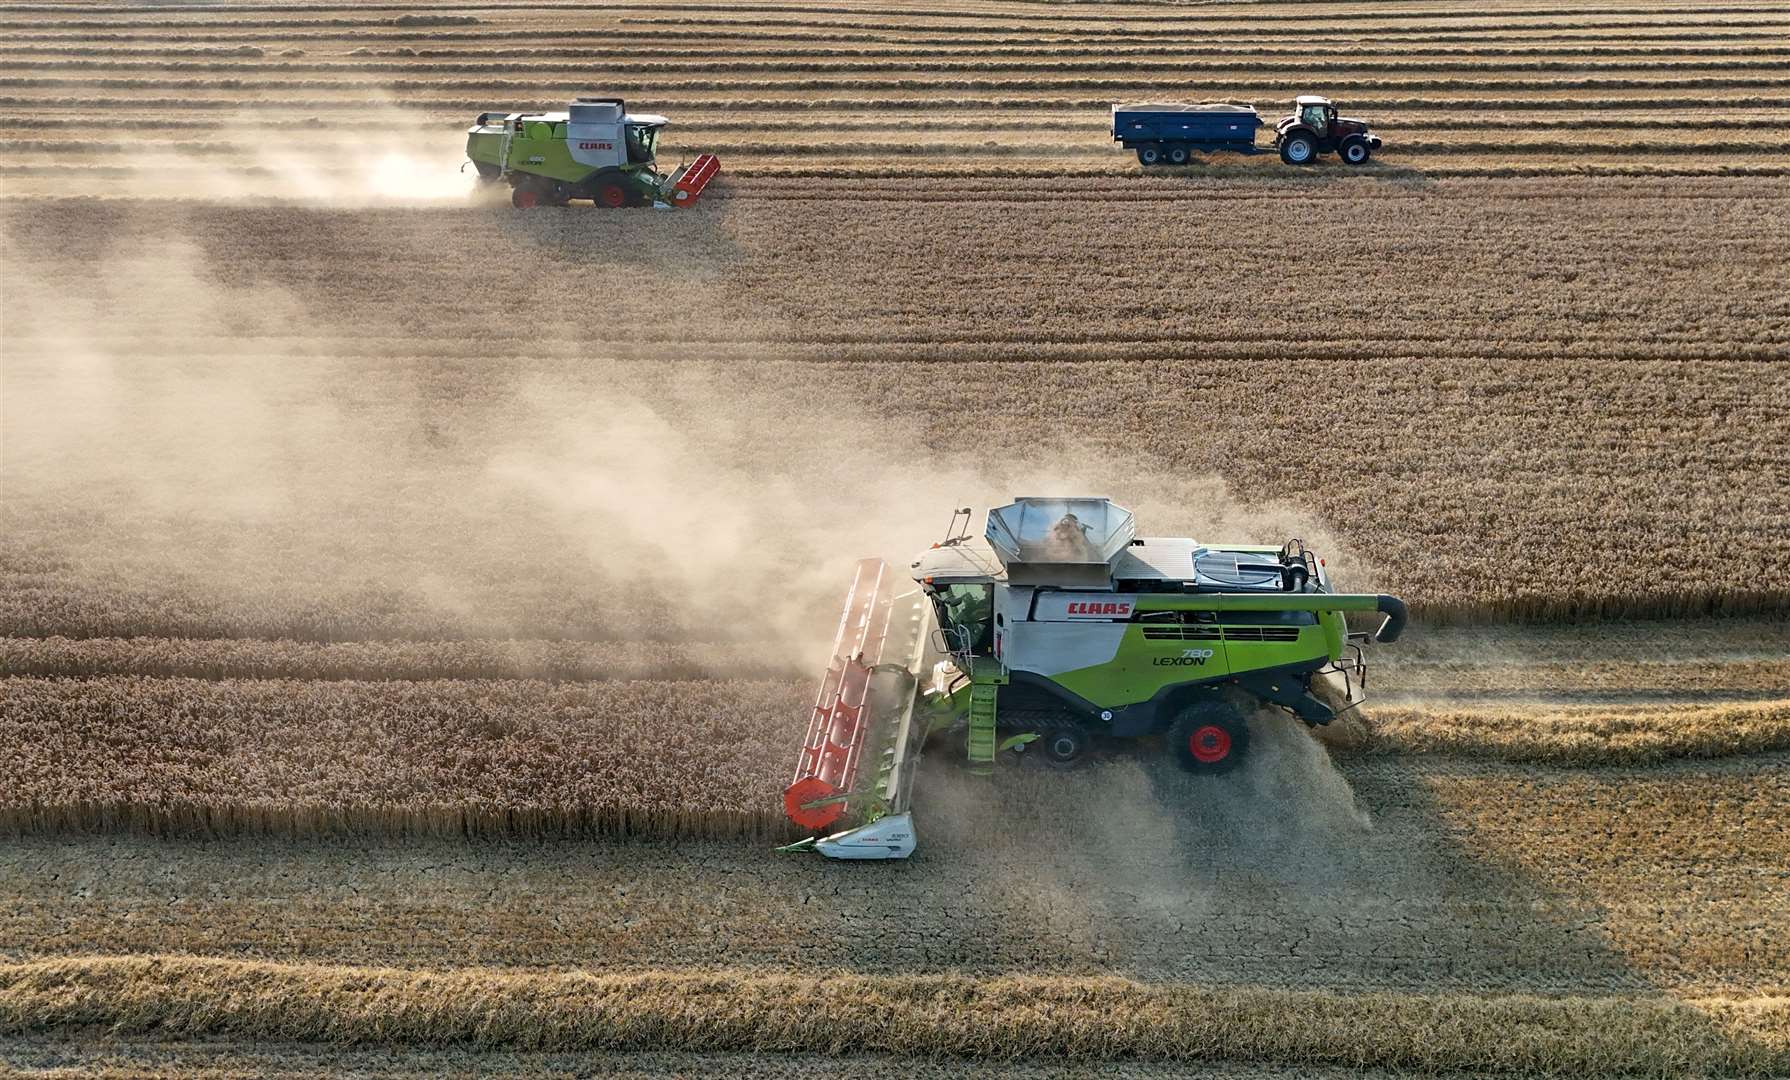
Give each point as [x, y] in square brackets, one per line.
[192, 451]
[382, 154]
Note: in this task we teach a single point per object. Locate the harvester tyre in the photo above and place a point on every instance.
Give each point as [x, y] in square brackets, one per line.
[1209, 738]
[610, 195]
[1355, 152]
[1063, 745]
[1298, 149]
[1149, 154]
[527, 197]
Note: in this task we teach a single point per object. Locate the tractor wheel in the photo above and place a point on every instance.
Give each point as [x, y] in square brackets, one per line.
[1209, 737]
[1356, 152]
[1062, 745]
[1149, 154]
[526, 197]
[1177, 154]
[611, 195]
[1298, 149]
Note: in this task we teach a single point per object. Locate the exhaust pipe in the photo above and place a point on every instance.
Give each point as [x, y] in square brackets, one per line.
[1396, 616]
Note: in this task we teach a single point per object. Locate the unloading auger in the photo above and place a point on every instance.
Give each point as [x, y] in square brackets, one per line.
[1056, 630]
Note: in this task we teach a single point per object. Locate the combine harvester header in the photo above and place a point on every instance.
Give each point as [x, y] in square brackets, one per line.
[1058, 630]
[594, 150]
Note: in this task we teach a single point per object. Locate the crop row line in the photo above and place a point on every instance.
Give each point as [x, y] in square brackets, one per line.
[1018, 66]
[560, 90]
[1766, 46]
[311, 135]
[1077, 1019]
[261, 108]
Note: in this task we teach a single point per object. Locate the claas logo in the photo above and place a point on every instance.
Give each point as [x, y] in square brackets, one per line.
[596, 146]
[1099, 607]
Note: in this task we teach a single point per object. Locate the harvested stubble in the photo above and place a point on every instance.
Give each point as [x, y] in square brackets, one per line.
[184, 756]
[1509, 378]
[961, 67]
[1585, 735]
[1682, 678]
[551, 661]
[1087, 1019]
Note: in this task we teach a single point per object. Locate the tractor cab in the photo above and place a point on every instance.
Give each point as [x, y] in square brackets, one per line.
[1315, 112]
[1314, 128]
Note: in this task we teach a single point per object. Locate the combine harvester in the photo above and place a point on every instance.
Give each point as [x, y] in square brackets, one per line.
[594, 150]
[1060, 627]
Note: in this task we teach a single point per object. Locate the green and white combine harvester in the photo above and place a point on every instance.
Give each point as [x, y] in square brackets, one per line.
[594, 150]
[1060, 627]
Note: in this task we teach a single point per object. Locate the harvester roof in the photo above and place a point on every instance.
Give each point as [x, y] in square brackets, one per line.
[968, 559]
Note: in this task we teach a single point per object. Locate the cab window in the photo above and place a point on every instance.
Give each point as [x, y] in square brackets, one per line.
[641, 138]
[970, 606]
[1314, 115]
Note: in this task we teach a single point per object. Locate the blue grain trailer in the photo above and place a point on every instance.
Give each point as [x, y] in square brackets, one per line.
[1167, 134]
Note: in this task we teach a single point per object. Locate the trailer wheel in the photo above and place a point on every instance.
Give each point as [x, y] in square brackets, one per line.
[1177, 154]
[1209, 737]
[1298, 149]
[611, 195]
[1149, 154]
[1356, 151]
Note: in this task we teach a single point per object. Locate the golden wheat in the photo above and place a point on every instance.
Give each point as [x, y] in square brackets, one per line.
[184, 756]
[994, 1018]
[1584, 735]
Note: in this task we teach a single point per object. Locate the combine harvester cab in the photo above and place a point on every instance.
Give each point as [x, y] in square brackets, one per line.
[594, 150]
[1058, 629]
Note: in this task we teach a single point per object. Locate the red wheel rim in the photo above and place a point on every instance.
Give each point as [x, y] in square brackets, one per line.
[1209, 743]
[611, 196]
[527, 200]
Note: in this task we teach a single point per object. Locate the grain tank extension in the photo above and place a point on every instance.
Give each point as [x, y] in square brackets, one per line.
[1056, 631]
[595, 150]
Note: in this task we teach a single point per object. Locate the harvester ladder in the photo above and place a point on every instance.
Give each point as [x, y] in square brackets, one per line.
[986, 678]
[510, 125]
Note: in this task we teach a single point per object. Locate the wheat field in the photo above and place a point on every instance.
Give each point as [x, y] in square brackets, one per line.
[409, 607]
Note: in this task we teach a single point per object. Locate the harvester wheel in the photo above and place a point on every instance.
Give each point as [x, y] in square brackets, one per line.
[1356, 152]
[1149, 154]
[1298, 149]
[525, 197]
[1210, 737]
[1063, 745]
[611, 195]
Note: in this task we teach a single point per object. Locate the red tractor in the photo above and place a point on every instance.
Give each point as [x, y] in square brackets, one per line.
[1314, 128]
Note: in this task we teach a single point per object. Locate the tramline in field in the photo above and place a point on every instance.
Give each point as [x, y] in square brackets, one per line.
[1061, 626]
[594, 150]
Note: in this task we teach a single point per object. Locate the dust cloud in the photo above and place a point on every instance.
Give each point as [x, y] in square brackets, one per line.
[1130, 845]
[380, 155]
[192, 451]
